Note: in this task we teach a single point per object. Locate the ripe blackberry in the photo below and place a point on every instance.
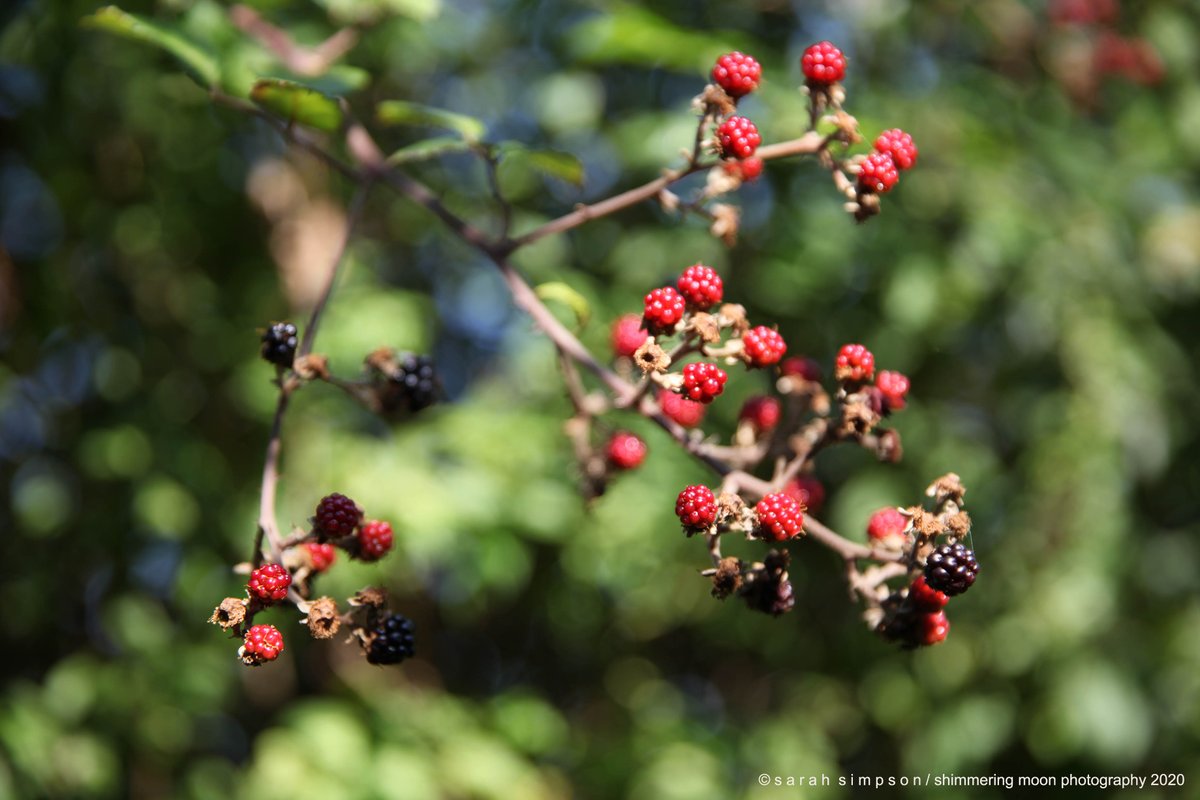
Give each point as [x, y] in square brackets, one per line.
[738, 74]
[262, 643]
[934, 627]
[687, 413]
[738, 137]
[877, 173]
[887, 526]
[823, 64]
[763, 346]
[392, 641]
[746, 169]
[893, 388]
[806, 368]
[761, 411]
[374, 540]
[807, 491]
[269, 583]
[701, 287]
[279, 343]
[703, 381]
[416, 376]
[627, 335]
[951, 569]
[854, 363]
[925, 598]
[337, 516]
[625, 450]
[320, 556]
[696, 508]
[664, 309]
[780, 517]
[899, 145]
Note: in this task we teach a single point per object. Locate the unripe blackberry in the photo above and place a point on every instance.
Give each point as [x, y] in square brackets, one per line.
[392, 641]
[934, 628]
[738, 74]
[746, 169]
[262, 643]
[625, 450]
[418, 378]
[951, 569]
[628, 335]
[337, 516]
[320, 556]
[374, 540]
[696, 508]
[877, 173]
[887, 526]
[806, 368]
[664, 309]
[899, 145]
[701, 287]
[269, 583]
[279, 343]
[761, 411]
[893, 388]
[807, 491]
[703, 381]
[763, 346]
[780, 517]
[823, 64]
[925, 598]
[738, 137]
[854, 363]
[687, 413]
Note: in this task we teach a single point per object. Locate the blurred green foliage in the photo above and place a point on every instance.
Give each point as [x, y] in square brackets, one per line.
[1036, 275]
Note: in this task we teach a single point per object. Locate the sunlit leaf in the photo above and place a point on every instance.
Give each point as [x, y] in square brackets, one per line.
[197, 61]
[630, 34]
[402, 112]
[297, 103]
[551, 163]
[428, 148]
[557, 291]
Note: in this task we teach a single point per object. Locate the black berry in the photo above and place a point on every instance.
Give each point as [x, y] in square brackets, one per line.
[951, 569]
[393, 641]
[279, 343]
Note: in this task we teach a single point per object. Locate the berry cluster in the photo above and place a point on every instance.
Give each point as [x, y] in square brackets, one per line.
[737, 137]
[823, 64]
[737, 73]
[279, 343]
[855, 368]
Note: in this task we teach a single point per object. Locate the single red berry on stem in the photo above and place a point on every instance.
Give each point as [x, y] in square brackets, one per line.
[687, 413]
[808, 491]
[664, 309]
[703, 381]
[780, 517]
[806, 368]
[899, 145]
[887, 526]
[262, 643]
[737, 73]
[628, 335]
[269, 583]
[761, 411]
[625, 450]
[701, 287]
[696, 508]
[375, 540]
[738, 137]
[925, 597]
[935, 627]
[321, 556]
[763, 346]
[823, 64]
[893, 386]
[878, 173]
[854, 363]
[747, 169]
[337, 516]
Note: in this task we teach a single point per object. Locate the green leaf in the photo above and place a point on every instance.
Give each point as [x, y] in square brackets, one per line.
[196, 60]
[358, 12]
[401, 112]
[552, 163]
[562, 293]
[428, 148]
[630, 34]
[298, 103]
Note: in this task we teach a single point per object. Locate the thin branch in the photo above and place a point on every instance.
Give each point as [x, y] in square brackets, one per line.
[353, 217]
[266, 500]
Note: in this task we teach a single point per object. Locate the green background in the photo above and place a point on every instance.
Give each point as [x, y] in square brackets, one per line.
[1036, 275]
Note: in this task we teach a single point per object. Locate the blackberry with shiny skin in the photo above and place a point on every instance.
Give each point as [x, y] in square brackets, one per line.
[417, 380]
[951, 569]
[279, 343]
[393, 641]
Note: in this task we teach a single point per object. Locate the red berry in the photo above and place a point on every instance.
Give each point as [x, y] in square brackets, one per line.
[374, 540]
[887, 526]
[664, 308]
[687, 413]
[806, 368]
[696, 508]
[878, 173]
[628, 335]
[747, 169]
[269, 583]
[763, 346]
[808, 491]
[854, 363]
[321, 556]
[337, 516]
[893, 386]
[625, 451]
[701, 286]
[738, 138]
[761, 411]
[262, 643]
[703, 381]
[738, 74]
[899, 145]
[935, 626]
[823, 64]
[780, 517]
[925, 597]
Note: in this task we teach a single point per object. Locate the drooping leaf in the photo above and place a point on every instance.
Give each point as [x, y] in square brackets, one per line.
[560, 292]
[428, 148]
[298, 103]
[631, 34]
[198, 62]
[551, 163]
[402, 112]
